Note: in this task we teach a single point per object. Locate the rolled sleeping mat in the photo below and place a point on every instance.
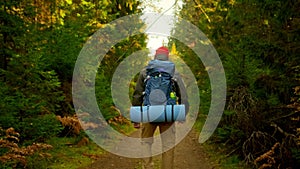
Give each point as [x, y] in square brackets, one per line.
[157, 113]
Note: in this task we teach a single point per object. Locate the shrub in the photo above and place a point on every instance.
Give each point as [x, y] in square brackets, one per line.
[40, 128]
[12, 155]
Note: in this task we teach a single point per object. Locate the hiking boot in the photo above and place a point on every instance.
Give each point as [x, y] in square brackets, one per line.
[136, 125]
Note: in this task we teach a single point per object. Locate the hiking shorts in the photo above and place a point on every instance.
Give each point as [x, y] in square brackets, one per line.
[167, 133]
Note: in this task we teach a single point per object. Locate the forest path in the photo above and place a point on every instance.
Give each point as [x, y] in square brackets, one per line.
[189, 154]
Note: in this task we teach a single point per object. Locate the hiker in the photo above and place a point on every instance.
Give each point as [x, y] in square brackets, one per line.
[148, 129]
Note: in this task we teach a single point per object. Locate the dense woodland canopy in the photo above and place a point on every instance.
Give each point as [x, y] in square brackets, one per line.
[257, 41]
[40, 42]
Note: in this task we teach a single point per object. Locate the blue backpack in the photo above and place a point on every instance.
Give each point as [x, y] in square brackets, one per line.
[159, 83]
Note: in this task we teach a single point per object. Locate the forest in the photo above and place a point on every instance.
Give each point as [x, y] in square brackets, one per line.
[258, 42]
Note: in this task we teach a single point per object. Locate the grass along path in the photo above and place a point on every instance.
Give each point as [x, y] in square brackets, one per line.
[189, 154]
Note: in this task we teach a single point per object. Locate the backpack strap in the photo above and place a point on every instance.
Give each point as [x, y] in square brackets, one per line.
[165, 111]
[173, 113]
[148, 113]
[142, 114]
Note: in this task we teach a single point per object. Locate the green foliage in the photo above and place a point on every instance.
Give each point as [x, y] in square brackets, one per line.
[103, 94]
[296, 153]
[66, 45]
[40, 128]
[9, 106]
[222, 159]
[41, 41]
[229, 133]
[25, 95]
[37, 161]
[257, 43]
[66, 154]
[109, 64]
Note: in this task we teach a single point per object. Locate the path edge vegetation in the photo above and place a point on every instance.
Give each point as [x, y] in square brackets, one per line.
[258, 43]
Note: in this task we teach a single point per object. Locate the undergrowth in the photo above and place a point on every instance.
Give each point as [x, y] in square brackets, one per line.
[70, 149]
[68, 154]
[217, 152]
[14, 155]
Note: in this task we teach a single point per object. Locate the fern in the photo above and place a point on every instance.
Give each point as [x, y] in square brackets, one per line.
[16, 155]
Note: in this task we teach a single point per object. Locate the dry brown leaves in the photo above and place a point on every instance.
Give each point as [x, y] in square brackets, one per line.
[16, 153]
[268, 158]
[71, 122]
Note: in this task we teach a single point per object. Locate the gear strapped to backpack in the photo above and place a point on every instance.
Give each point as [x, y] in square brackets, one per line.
[159, 83]
[159, 102]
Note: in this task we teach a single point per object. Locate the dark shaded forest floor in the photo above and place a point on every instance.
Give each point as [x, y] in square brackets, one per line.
[189, 154]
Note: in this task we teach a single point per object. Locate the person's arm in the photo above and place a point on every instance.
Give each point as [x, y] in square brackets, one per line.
[138, 92]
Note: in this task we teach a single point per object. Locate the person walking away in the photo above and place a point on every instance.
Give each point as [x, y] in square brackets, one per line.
[148, 129]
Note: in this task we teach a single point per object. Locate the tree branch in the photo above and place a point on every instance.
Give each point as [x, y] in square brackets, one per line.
[202, 10]
[285, 116]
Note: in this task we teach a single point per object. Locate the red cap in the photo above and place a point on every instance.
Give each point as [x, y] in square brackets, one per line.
[162, 51]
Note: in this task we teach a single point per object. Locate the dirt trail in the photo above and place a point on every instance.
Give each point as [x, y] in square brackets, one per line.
[189, 154]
